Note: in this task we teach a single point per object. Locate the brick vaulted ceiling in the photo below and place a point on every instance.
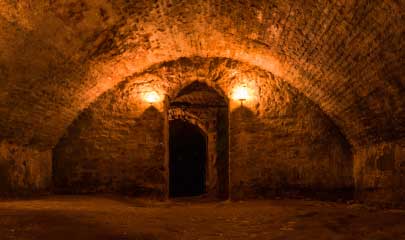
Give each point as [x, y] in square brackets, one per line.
[56, 57]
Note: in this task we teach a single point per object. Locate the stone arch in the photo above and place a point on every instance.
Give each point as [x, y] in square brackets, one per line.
[121, 114]
[180, 114]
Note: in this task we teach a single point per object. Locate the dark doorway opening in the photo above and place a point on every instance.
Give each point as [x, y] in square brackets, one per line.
[188, 155]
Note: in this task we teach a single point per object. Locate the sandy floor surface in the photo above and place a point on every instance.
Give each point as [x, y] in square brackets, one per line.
[107, 217]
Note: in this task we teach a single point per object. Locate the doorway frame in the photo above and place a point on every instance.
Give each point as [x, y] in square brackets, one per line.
[196, 121]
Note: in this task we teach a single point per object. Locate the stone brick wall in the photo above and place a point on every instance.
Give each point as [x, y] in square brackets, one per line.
[23, 170]
[287, 146]
[58, 57]
[279, 140]
[379, 173]
[116, 145]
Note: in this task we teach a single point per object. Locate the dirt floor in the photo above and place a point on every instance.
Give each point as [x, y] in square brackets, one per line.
[104, 217]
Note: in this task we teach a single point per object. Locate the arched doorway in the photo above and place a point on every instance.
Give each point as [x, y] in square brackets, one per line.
[188, 154]
[198, 125]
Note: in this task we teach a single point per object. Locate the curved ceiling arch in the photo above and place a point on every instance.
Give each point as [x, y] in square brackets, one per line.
[344, 57]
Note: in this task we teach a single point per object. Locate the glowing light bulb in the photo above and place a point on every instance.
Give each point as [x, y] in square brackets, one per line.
[151, 97]
[241, 93]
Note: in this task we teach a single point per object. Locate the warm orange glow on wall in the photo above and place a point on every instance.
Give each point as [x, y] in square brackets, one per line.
[240, 93]
[151, 97]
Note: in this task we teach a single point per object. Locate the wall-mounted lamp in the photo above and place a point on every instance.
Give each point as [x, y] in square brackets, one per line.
[151, 97]
[241, 94]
